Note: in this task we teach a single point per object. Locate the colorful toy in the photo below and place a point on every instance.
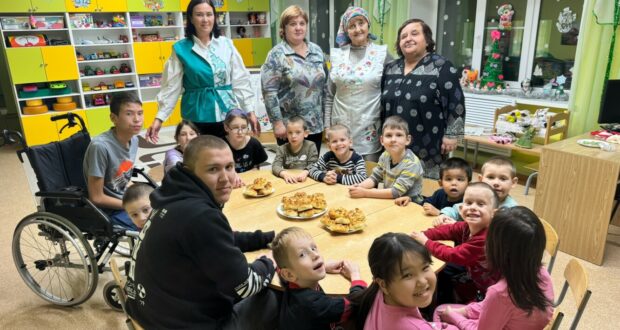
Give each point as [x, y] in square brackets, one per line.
[57, 85]
[505, 13]
[35, 110]
[86, 87]
[119, 84]
[79, 56]
[114, 70]
[118, 21]
[129, 84]
[64, 103]
[103, 86]
[34, 103]
[99, 71]
[98, 99]
[30, 88]
[125, 68]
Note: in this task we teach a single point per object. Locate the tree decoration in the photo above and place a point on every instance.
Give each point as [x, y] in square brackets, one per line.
[505, 13]
[492, 75]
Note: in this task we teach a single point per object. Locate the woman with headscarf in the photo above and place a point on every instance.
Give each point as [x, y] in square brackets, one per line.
[423, 88]
[353, 90]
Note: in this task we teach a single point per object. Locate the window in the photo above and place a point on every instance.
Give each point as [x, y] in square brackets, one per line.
[455, 31]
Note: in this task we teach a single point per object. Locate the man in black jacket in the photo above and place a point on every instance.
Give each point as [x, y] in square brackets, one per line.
[187, 271]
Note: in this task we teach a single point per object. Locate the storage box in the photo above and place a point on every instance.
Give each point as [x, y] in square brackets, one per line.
[15, 23]
[136, 20]
[47, 22]
[81, 21]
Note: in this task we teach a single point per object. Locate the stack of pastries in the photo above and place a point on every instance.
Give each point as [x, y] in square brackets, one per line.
[260, 187]
[303, 205]
[341, 220]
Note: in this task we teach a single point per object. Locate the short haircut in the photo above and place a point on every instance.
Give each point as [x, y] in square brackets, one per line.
[236, 113]
[426, 30]
[289, 14]
[495, 198]
[122, 98]
[281, 244]
[195, 146]
[395, 122]
[339, 127]
[182, 124]
[500, 161]
[135, 192]
[190, 29]
[297, 120]
[455, 163]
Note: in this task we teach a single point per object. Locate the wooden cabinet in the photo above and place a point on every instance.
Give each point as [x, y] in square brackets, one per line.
[253, 51]
[151, 56]
[97, 6]
[39, 64]
[248, 5]
[168, 5]
[38, 6]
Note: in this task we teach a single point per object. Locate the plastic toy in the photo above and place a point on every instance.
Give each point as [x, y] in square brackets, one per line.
[103, 86]
[118, 21]
[119, 84]
[129, 83]
[99, 72]
[125, 55]
[57, 85]
[114, 70]
[98, 100]
[30, 88]
[88, 71]
[86, 87]
[79, 56]
[34, 103]
[106, 55]
[125, 68]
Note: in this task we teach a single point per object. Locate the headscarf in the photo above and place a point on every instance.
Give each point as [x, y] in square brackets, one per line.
[342, 38]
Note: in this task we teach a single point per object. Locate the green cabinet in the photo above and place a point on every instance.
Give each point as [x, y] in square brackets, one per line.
[167, 5]
[98, 120]
[262, 46]
[26, 65]
[39, 6]
[253, 51]
[248, 5]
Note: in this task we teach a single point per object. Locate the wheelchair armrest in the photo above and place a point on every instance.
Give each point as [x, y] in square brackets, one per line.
[137, 171]
[69, 192]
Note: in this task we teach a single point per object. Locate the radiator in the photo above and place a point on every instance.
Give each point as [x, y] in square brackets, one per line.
[480, 109]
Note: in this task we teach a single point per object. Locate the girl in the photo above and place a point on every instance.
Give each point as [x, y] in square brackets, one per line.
[522, 298]
[185, 132]
[248, 152]
[403, 281]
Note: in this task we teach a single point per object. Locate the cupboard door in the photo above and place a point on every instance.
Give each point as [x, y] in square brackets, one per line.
[22, 6]
[261, 47]
[244, 46]
[148, 57]
[259, 5]
[26, 65]
[39, 129]
[175, 117]
[139, 5]
[98, 120]
[166, 51]
[111, 5]
[72, 8]
[47, 6]
[60, 63]
[238, 5]
[150, 110]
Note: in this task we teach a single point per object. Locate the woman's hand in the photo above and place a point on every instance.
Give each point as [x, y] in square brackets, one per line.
[152, 133]
[254, 124]
[448, 145]
[279, 130]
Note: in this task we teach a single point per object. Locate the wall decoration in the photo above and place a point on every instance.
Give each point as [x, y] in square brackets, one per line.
[81, 3]
[505, 13]
[492, 75]
[567, 26]
[154, 4]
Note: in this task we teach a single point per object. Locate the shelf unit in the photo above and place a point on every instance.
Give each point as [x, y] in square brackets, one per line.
[85, 49]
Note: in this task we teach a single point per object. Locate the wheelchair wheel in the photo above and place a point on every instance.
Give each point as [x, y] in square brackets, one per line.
[111, 296]
[54, 259]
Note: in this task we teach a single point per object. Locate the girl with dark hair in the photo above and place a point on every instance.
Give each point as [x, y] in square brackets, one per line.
[248, 152]
[423, 88]
[403, 281]
[207, 68]
[522, 298]
[185, 132]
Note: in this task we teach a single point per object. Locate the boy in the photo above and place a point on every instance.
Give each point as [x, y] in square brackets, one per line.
[398, 168]
[110, 157]
[341, 164]
[469, 236]
[304, 304]
[455, 175]
[499, 173]
[298, 153]
[137, 204]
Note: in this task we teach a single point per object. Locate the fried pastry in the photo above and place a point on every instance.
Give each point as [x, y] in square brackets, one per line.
[260, 187]
[344, 221]
[303, 205]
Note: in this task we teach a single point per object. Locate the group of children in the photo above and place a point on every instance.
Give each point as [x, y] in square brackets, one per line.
[499, 283]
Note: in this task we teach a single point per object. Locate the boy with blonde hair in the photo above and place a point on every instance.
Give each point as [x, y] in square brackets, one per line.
[298, 153]
[304, 304]
[341, 164]
[399, 169]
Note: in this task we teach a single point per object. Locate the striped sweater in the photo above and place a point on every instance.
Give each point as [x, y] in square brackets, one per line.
[351, 172]
[405, 178]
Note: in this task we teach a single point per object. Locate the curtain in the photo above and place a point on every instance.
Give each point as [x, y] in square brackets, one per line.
[394, 14]
[591, 61]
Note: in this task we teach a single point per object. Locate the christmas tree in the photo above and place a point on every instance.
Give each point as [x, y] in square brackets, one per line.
[492, 76]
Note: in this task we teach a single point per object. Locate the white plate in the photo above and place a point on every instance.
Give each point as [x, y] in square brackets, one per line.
[280, 210]
[248, 195]
[591, 143]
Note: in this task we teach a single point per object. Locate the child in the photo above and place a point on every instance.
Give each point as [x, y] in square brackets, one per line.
[398, 168]
[137, 204]
[110, 157]
[248, 152]
[403, 281]
[341, 164]
[499, 173]
[185, 132]
[304, 304]
[479, 204]
[296, 154]
[522, 298]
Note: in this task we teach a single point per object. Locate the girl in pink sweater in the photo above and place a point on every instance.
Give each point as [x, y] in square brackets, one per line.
[403, 280]
[522, 298]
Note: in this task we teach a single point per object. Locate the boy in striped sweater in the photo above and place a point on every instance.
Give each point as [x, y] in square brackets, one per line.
[341, 164]
[398, 168]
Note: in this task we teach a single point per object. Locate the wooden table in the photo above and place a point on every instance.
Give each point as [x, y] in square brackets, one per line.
[575, 193]
[484, 140]
[382, 215]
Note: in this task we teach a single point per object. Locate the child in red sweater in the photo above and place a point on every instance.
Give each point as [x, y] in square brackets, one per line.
[479, 205]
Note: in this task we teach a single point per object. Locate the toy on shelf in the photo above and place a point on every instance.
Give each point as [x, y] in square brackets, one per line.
[64, 103]
[47, 22]
[15, 23]
[129, 84]
[125, 68]
[119, 84]
[57, 85]
[33, 40]
[81, 21]
[35, 110]
[118, 21]
[98, 100]
[34, 103]
[30, 88]
[86, 87]
[114, 70]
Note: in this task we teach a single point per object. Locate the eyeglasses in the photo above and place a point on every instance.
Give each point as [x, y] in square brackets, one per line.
[239, 130]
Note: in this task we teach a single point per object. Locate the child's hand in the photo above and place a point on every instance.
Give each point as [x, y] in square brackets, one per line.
[330, 177]
[443, 219]
[301, 177]
[402, 201]
[334, 267]
[357, 192]
[429, 209]
[446, 313]
[351, 271]
[238, 182]
[419, 236]
[288, 178]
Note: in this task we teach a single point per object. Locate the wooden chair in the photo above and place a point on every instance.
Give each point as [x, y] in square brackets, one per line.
[370, 166]
[131, 323]
[553, 242]
[555, 320]
[577, 279]
[429, 186]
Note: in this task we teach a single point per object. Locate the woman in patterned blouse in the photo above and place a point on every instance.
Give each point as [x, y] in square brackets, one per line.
[293, 78]
[423, 88]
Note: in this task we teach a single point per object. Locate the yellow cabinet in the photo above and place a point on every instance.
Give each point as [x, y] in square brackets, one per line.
[157, 5]
[175, 117]
[244, 46]
[39, 64]
[150, 110]
[97, 6]
[151, 56]
[68, 131]
[253, 51]
[39, 129]
[37, 6]
[98, 120]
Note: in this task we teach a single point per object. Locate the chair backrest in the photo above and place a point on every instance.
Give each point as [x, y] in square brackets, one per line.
[577, 279]
[370, 165]
[131, 323]
[554, 127]
[553, 241]
[557, 318]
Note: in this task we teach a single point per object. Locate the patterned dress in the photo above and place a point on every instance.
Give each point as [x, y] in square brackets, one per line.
[294, 85]
[430, 99]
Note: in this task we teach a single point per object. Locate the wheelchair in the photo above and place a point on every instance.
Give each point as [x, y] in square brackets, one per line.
[51, 247]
